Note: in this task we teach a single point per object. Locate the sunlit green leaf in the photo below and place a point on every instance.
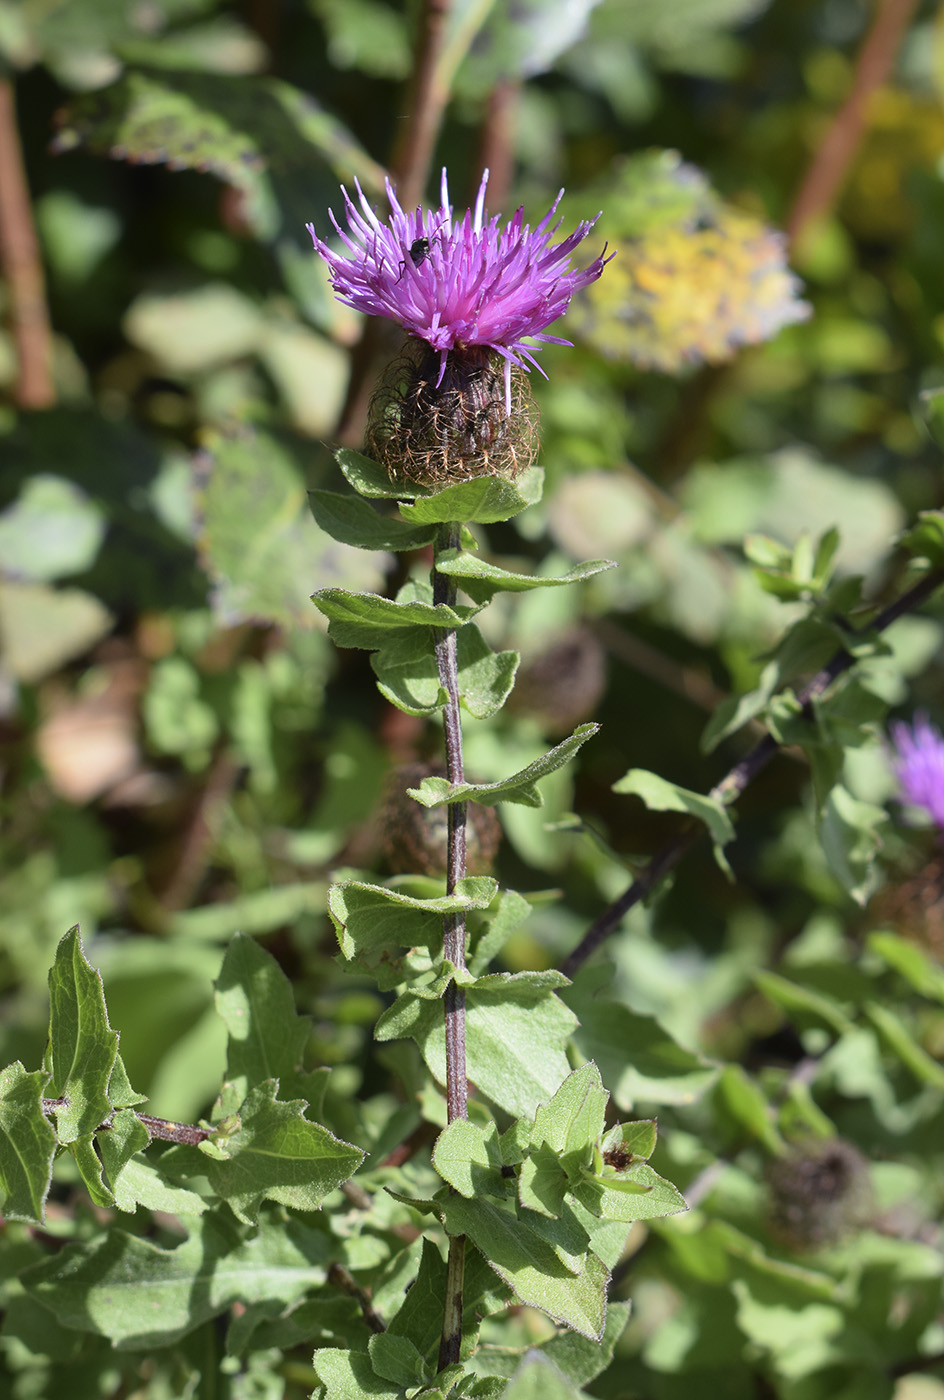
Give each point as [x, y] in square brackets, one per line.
[82, 1045]
[520, 787]
[27, 1144]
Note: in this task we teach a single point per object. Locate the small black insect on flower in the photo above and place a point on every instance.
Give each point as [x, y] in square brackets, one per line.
[419, 251]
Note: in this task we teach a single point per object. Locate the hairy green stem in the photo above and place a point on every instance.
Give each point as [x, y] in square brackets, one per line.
[444, 591]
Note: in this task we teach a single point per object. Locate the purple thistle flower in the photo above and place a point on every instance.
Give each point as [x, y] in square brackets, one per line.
[919, 765]
[459, 282]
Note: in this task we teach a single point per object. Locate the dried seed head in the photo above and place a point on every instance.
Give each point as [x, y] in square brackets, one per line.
[436, 431]
[819, 1193]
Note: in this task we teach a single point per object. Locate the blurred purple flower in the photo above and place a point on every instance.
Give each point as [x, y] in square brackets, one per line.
[919, 765]
[458, 283]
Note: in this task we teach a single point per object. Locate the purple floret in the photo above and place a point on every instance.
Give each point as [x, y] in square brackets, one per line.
[919, 765]
[459, 282]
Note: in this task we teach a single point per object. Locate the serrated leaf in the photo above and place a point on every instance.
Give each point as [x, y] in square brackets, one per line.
[352, 521]
[468, 1158]
[649, 1195]
[141, 1296]
[572, 1121]
[27, 1144]
[267, 1038]
[660, 795]
[366, 619]
[520, 787]
[259, 134]
[408, 676]
[530, 1266]
[82, 1045]
[135, 1182]
[507, 1023]
[482, 580]
[485, 500]
[374, 924]
[278, 1155]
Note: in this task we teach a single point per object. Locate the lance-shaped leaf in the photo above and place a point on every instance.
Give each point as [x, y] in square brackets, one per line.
[90, 1169]
[267, 1038]
[27, 1144]
[352, 521]
[530, 1266]
[572, 1121]
[82, 1045]
[638, 1193]
[660, 795]
[374, 924]
[142, 1296]
[511, 1019]
[482, 580]
[520, 787]
[277, 1155]
[369, 478]
[407, 673]
[366, 619]
[484, 500]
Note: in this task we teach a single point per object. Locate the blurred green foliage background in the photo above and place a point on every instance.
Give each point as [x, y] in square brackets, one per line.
[185, 755]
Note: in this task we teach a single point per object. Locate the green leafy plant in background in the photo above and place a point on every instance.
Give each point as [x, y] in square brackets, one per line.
[202, 778]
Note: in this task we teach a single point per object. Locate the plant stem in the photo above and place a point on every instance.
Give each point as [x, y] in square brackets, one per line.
[733, 784]
[457, 1089]
[22, 266]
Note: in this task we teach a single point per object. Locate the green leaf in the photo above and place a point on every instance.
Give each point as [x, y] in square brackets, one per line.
[54, 529]
[508, 1022]
[748, 1105]
[572, 1121]
[485, 500]
[141, 1296]
[41, 627]
[82, 1045]
[912, 962]
[638, 1139]
[650, 1196]
[803, 1005]
[27, 1144]
[369, 478]
[352, 521]
[500, 923]
[468, 1158]
[419, 1316]
[349, 1375]
[580, 1360]
[638, 1058]
[849, 830]
[520, 787]
[396, 1359]
[537, 1378]
[267, 1038]
[531, 1267]
[482, 580]
[90, 1169]
[276, 1154]
[660, 795]
[407, 673]
[899, 1039]
[373, 923]
[542, 1182]
[260, 135]
[926, 538]
[365, 619]
[134, 1182]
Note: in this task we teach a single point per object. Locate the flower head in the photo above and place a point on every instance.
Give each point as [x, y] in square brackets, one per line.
[459, 282]
[919, 765]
